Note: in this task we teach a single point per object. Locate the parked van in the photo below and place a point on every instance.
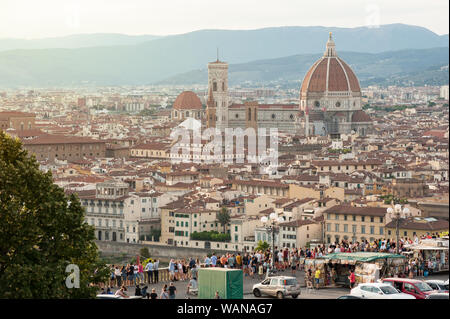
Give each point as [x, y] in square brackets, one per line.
[417, 288]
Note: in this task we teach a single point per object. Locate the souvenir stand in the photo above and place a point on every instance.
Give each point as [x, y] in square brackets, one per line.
[368, 266]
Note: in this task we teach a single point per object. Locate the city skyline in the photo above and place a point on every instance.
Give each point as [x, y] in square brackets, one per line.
[50, 18]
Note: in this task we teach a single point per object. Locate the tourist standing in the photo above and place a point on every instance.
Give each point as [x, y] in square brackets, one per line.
[213, 260]
[156, 271]
[172, 291]
[352, 279]
[149, 271]
[164, 294]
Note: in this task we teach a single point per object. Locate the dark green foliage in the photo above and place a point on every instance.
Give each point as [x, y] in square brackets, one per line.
[211, 236]
[41, 232]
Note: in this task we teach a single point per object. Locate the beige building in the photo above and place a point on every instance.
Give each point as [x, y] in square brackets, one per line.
[301, 192]
[298, 233]
[344, 222]
[153, 150]
[417, 226]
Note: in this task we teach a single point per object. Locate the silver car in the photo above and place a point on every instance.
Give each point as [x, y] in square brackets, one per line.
[278, 286]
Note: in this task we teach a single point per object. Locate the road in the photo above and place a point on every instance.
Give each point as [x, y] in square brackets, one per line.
[324, 293]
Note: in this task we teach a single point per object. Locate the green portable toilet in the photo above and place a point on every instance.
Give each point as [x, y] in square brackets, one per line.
[228, 282]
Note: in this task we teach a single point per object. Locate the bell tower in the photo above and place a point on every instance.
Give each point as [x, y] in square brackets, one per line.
[218, 85]
[211, 116]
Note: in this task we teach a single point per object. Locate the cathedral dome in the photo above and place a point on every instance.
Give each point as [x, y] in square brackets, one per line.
[361, 116]
[330, 74]
[187, 100]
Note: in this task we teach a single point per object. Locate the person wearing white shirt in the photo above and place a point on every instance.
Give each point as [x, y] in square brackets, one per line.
[149, 270]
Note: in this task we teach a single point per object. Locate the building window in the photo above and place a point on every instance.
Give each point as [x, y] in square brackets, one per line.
[336, 227]
[363, 229]
[214, 86]
[372, 230]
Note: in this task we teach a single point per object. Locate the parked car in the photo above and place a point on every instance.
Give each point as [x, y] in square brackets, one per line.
[278, 286]
[414, 287]
[437, 295]
[378, 291]
[107, 296]
[348, 297]
[438, 285]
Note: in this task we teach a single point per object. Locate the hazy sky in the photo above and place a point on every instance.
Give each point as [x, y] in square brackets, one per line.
[48, 18]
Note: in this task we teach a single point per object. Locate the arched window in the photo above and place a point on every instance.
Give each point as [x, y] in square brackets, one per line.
[214, 86]
[316, 103]
[223, 86]
[187, 113]
[273, 116]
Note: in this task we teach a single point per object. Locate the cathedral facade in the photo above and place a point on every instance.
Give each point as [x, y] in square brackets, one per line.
[329, 102]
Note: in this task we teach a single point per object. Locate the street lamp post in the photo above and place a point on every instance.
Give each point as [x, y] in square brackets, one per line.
[396, 214]
[270, 224]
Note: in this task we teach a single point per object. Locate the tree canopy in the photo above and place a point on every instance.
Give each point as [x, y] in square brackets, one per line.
[262, 245]
[42, 231]
[223, 217]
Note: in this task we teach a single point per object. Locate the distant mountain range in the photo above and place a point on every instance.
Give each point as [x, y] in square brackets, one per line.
[75, 41]
[284, 52]
[424, 66]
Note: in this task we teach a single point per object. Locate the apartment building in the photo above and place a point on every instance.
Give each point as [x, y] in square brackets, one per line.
[109, 210]
[298, 233]
[417, 226]
[345, 222]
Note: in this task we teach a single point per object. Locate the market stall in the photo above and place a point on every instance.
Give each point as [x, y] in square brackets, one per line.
[434, 252]
[368, 267]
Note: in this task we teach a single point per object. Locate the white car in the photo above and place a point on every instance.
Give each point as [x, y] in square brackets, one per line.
[438, 285]
[378, 291]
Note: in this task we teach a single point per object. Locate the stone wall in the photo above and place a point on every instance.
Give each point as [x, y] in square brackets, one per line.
[163, 252]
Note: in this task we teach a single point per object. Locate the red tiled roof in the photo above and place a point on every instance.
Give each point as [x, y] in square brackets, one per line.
[187, 100]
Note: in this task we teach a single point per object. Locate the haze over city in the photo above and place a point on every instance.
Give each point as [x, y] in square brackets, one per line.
[54, 18]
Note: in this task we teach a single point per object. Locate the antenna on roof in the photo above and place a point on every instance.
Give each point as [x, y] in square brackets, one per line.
[217, 54]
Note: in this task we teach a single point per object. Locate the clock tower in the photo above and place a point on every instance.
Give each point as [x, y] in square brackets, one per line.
[218, 85]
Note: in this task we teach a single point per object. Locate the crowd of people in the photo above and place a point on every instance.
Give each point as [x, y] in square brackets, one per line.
[254, 264]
